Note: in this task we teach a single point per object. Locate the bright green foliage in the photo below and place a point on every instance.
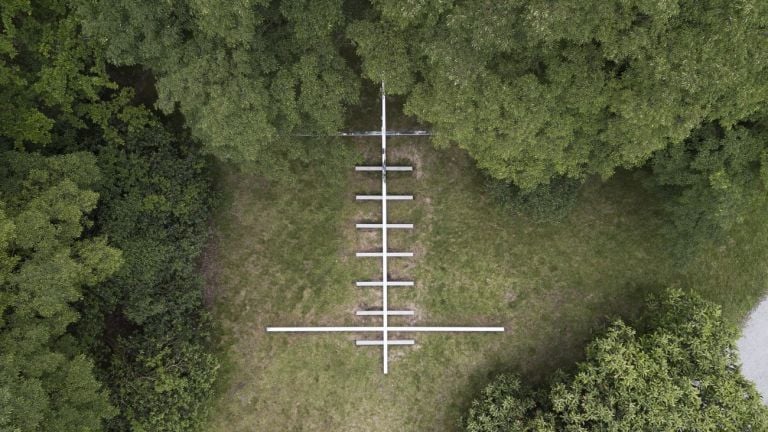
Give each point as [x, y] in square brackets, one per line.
[245, 74]
[44, 264]
[681, 375]
[146, 324]
[390, 62]
[52, 80]
[712, 180]
[535, 89]
[164, 378]
[507, 405]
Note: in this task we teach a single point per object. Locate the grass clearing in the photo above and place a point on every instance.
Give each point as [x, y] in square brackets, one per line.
[285, 256]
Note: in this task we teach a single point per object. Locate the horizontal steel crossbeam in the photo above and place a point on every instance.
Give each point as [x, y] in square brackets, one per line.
[368, 134]
[382, 254]
[379, 168]
[381, 312]
[365, 329]
[386, 133]
[390, 283]
[380, 226]
[387, 342]
[381, 197]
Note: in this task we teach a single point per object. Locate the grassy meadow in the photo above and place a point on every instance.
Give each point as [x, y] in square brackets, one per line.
[283, 254]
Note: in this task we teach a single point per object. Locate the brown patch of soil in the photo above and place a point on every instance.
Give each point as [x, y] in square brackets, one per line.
[407, 154]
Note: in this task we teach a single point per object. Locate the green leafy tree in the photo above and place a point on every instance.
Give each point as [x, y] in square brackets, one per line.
[45, 261]
[681, 373]
[163, 376]
[53, 83]
[64, 291]
[156, 201]
[712, 180]
[508, 405]
[245, 74]
[146, 324]
[536, 89]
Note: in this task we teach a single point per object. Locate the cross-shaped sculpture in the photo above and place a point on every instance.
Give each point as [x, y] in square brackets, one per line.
[385, 312]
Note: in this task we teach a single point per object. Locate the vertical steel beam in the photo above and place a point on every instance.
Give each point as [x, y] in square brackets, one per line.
[384, 247]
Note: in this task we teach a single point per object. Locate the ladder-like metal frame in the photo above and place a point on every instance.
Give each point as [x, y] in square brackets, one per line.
[385, 329]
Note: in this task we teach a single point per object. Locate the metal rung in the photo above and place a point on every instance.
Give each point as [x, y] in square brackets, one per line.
[381, 342]
[379, 226]
[378, 168]
[381, 283]
[379, 329]
[380, 197]
[378, 133]
[380, 312]
[381, 254]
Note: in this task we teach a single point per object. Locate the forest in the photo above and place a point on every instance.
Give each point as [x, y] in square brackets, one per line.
[171, 182]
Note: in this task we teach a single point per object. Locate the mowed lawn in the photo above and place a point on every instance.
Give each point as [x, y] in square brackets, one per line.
[283, 254]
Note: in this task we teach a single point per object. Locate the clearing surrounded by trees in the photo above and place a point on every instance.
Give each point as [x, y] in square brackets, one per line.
[590, 176]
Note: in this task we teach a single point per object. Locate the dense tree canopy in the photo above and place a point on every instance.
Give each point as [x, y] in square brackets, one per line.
[103, 213]
[45, 383]
[52, 82]
[680, 374]
[146, 323]
[537, 89]
[713, 179]
[538, 92]
[244, 74]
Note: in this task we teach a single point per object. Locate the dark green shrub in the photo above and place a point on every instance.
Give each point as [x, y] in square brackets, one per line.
[550, 202]
[506, 405]
[147, 325]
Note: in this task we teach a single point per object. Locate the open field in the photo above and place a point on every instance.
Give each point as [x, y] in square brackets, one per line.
[284, 255]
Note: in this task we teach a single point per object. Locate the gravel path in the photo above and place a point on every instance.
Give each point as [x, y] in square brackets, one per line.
[753, 348]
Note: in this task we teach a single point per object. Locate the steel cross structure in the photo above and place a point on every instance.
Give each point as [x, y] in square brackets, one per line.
[385, 312]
